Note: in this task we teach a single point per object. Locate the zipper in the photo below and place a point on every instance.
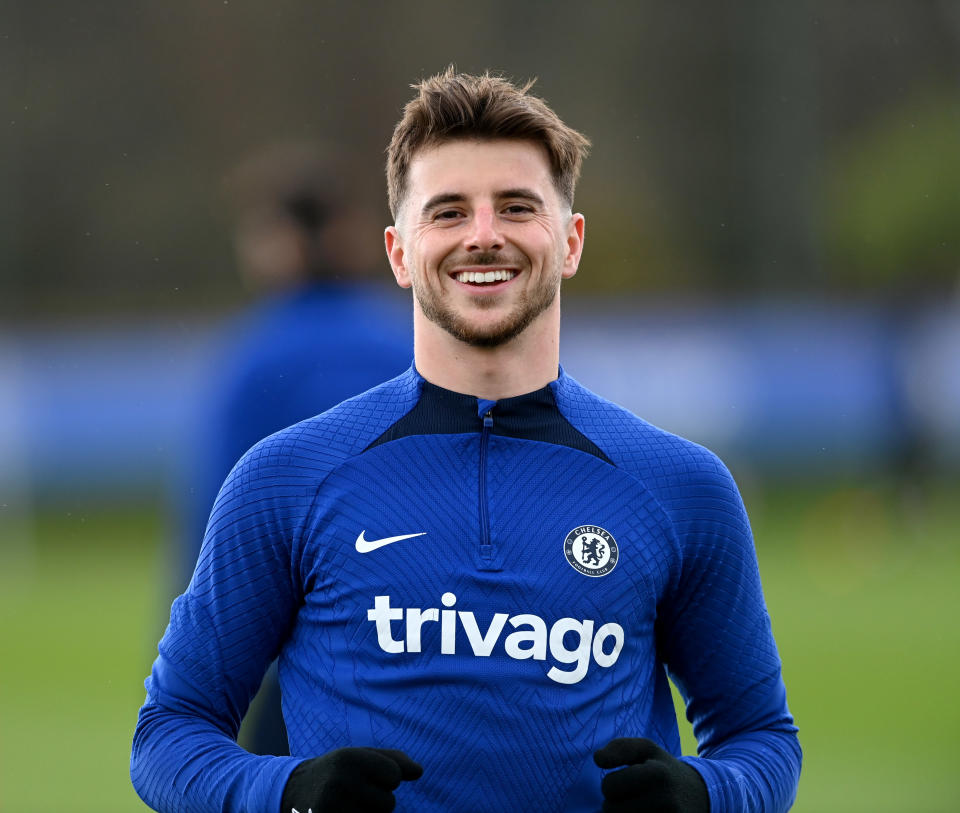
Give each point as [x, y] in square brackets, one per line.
[486, 548]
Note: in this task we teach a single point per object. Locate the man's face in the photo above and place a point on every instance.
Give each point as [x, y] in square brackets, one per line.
[483, 238]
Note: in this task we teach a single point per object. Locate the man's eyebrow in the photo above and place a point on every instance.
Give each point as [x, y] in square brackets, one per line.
[523, 194]
[442, 199]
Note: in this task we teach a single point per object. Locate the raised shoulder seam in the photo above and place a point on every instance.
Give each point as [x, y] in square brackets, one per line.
[638, 448]
[314, 448]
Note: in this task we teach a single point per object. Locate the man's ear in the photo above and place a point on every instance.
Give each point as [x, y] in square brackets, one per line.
[395, 254]
[575, 236]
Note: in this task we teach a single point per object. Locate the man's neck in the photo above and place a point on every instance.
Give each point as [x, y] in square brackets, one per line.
[525, 364]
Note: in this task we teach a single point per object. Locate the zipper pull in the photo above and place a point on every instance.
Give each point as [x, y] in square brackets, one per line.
[485, 412]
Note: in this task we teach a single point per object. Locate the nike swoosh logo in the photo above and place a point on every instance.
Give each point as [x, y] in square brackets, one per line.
[367, 545]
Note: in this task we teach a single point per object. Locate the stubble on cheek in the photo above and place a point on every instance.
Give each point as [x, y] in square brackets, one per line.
[527, 306]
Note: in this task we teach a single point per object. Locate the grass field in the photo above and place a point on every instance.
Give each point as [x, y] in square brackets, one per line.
[861, 585]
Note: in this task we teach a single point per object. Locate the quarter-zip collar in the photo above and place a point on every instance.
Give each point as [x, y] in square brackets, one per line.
[531, 416]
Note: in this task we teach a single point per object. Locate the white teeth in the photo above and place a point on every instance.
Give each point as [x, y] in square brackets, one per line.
[499, 275]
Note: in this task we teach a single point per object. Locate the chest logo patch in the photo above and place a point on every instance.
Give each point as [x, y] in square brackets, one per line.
[591, 550]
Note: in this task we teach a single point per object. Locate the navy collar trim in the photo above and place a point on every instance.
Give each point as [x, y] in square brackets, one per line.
[532, 416]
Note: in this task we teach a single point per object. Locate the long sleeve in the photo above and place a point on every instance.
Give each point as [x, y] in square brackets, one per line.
[715, 637]
[713, 631]
[223, 633]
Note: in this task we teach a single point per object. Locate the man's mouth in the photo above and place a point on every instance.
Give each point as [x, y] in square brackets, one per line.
[485, 277]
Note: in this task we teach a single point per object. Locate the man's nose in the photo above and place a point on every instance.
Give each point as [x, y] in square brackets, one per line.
[484, 234]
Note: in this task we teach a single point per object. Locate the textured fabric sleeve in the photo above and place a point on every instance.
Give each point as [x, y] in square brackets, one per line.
[713, 631]
[223, 633]
[715, 636]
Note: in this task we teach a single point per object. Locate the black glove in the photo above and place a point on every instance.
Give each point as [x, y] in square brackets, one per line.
[348, 780]
[655, 781]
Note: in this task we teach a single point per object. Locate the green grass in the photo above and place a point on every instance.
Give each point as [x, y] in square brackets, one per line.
[74, 624]
[860, 582]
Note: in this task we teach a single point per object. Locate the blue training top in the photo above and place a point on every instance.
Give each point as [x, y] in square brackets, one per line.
[496, 588]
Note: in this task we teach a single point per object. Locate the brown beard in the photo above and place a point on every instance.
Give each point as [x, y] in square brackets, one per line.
[528, 307]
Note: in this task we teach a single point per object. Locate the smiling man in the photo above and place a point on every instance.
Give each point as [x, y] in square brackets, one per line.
[484, 258]
[479, 575]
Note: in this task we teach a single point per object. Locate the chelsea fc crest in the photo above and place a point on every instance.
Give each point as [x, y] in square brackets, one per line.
[591, 550]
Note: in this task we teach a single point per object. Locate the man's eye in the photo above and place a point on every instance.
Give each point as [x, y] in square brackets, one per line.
[447, 214]
[518, 209]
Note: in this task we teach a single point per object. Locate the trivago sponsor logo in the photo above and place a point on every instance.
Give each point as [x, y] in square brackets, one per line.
[530, 638]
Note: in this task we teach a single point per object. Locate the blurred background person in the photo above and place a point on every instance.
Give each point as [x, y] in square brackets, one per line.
[319, 331]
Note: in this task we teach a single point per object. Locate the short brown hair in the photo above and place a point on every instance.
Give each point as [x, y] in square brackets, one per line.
[453, 105]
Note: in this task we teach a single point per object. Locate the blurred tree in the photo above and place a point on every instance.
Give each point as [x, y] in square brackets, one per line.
[891, 202]
[711, 123]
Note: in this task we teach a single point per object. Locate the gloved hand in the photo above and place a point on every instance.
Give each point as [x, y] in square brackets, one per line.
[655, 781]
[348, 780]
